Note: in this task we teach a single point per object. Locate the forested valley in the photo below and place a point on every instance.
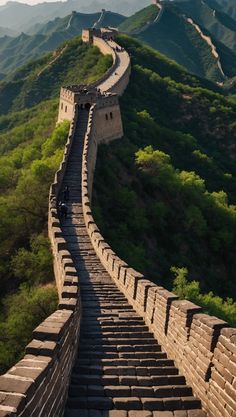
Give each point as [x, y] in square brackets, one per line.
[164, 195]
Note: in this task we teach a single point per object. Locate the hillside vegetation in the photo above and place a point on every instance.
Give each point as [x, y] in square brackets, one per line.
[139, 19]
[215, 23]
[169, 32]
[228, 7]
[42, 79]
[24, 17]
[31, 148]
[164, 195]
[14, 52]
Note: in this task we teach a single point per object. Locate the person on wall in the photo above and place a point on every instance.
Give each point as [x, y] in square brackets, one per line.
[63, 210]
[66, 193]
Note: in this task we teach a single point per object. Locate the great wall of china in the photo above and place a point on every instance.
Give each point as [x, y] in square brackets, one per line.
[98, 355]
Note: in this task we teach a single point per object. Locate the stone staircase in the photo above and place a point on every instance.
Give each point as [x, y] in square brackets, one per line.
[121, 370]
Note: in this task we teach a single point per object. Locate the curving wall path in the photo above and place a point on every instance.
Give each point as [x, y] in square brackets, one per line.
[209, 42]
[120, 370]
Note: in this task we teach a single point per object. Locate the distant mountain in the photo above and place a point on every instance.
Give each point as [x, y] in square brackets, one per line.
[228, 7]
[75, 22]
[7, 32]
[196, 34]
[41, 79]
[20, 16]
[190, 35]
[217, 23]
[15, 52]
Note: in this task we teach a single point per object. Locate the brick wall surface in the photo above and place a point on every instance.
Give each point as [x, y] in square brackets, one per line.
[203, 347]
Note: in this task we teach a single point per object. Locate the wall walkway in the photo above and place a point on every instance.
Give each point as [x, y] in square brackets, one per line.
[120, 366]
[120, 369]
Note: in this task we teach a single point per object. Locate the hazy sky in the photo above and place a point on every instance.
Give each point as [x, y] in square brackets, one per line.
[26, 1]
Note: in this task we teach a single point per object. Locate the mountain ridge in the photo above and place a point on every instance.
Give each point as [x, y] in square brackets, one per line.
[14, 52]
[181, 35]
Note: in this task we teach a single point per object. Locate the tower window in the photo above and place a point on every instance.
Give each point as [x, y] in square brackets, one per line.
[106, 116]
[65, 109]
[61, 106]
[111, 115]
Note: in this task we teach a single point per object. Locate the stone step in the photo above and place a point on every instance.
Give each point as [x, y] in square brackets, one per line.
[70, 412]
[130, 370]
[146, 381]
[130, 391]
[116, 328]
[119, 361]
[134, 403]
[122, 349]
[104, 335]
[121, 370]
[134, 349]
[111, 305]
[114, 323]
[117, 341]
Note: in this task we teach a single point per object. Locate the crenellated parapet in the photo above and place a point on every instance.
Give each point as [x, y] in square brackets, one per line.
[103, 91]
[203, 347]
[38, 384]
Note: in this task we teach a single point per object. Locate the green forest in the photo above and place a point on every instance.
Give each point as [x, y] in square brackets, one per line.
[164, 194]
[31, 148]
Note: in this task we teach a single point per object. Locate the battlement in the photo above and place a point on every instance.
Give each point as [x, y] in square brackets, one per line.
[203, 347]
[104, 33]
[83, 95]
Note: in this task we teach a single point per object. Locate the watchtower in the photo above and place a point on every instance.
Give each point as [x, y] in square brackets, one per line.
[106, 33]
[75, 98]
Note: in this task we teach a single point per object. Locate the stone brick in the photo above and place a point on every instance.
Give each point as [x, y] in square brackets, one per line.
[115, 391]
[196, 413]
[128, 403]
[116, 413]
[145, 381]
[231, 392]
[5, 413]
[152, 403]
[218, 379]
[12, 400]
[128, 380]
[142, 391]
[172, 404]
[190, 403]
[231, 367]
[36, 375]
[163, 414]
[16, 385]
[143, 413]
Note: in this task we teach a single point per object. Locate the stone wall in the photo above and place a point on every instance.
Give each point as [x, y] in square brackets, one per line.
[66, 105]
[123, 69]
[203, 347]
[108, 123]
[37, 385]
